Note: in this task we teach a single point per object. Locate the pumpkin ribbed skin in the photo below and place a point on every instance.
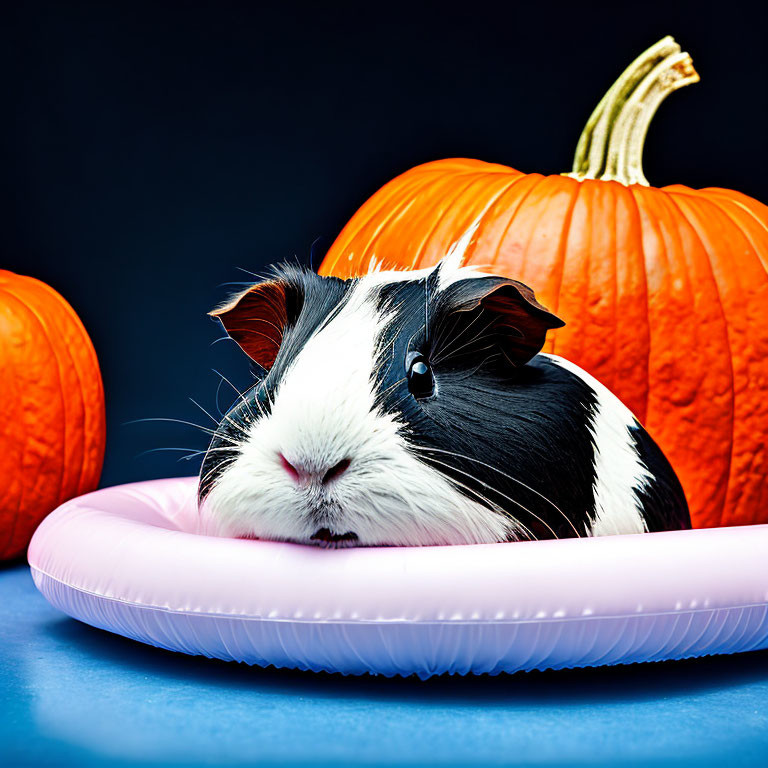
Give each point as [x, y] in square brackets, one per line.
[51, 406]
[664, 293]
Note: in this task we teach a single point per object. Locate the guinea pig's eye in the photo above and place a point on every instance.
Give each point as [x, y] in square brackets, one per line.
[421, 381]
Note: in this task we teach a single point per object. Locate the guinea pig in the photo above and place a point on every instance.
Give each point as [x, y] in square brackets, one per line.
[415, 408]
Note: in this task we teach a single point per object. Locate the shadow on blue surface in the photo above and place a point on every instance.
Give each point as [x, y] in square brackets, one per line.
[634, 682]
[74, 695]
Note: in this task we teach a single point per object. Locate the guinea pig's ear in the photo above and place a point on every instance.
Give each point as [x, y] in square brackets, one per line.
[517, 320]
[255, 319]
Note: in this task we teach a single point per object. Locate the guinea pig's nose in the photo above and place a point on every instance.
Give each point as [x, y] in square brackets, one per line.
[326, 475]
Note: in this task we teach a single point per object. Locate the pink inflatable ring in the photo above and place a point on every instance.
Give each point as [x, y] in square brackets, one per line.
[139, 560]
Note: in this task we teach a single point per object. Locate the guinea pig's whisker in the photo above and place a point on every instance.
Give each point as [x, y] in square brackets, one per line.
[237, 392]
[239, 283]
[223, 464]
[195, 454]
[447, 328]
[382, 356]
[410, 341]
[495, 507]
[216, 397]
[226, 418]
[397, 403]
[222, 448]
[470, 343]
[222, 338]
[262, 412]
[262, 320]
[241, 430]
[451, 352]
[191, 453]
[509, 360]
[478, 367]
[381, 395]
[495, 490]
[509, 477]
[176, 421]
[441, 335]
[259, 333]
[209, 415]
[252, 274]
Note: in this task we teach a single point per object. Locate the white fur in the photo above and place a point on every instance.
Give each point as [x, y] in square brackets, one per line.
[323, 412]
[451, 266]
[619, 470]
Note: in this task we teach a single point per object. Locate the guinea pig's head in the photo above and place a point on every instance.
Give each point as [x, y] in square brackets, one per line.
[367, 389]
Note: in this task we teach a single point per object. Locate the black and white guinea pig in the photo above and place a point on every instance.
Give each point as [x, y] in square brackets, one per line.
[414, 408]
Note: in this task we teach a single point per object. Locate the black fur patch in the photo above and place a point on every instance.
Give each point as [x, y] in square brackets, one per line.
[663, 500]
[514, 437]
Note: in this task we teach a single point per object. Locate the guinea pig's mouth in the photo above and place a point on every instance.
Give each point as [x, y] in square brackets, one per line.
[325, 538]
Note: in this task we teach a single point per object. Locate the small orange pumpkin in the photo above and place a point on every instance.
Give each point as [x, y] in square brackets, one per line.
[664, 291]
[52, 422]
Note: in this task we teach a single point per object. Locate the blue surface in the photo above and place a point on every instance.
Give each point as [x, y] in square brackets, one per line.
[71, 694]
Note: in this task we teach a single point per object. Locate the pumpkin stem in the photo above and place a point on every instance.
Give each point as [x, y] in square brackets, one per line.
[611, 145]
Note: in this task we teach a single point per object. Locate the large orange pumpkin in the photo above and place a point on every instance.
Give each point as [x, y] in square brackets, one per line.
[52, 424]
[664, 291]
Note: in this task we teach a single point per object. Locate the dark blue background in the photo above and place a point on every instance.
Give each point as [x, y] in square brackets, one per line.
[151, 150]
